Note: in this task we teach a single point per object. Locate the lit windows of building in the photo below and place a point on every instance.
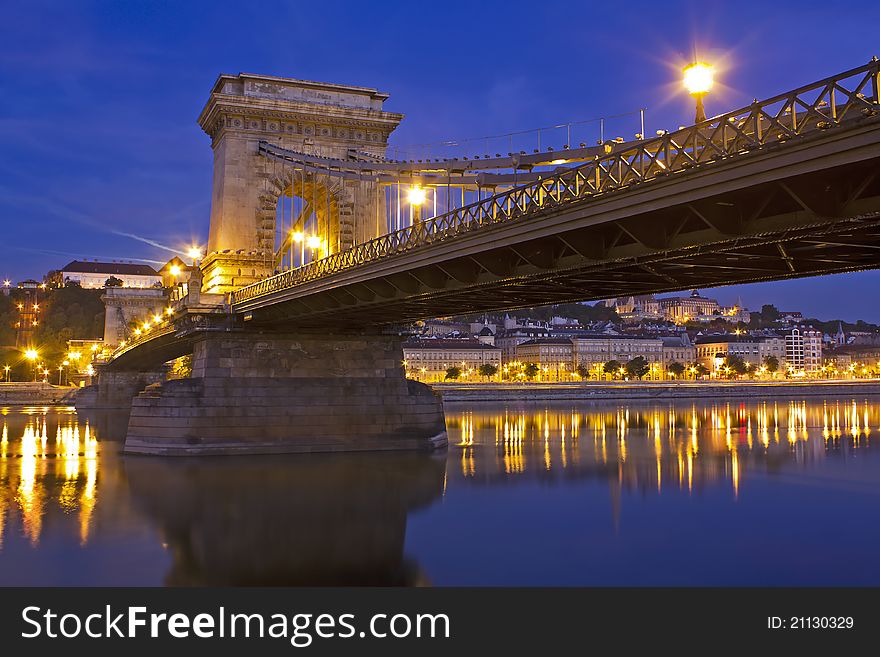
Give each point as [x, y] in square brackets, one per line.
[428, 360]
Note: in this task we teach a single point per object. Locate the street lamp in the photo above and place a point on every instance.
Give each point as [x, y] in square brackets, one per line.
[6, 369]
[314, 243]
[698, 80]
[299, 238]
[416, 197]
[195, 253]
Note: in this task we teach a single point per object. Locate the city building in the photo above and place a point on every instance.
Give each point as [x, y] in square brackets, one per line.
[428, 359]
[593, 351]
[486, 336]
[93, 274]
[701, 309]
[712, 350]
[683, 309]
[677, 349]
[174, 272]
[552, 355]
[510, 338]
[636, 308]
[803, 350]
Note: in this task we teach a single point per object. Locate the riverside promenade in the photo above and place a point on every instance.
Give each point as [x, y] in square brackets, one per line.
[35, 394]
[627, 390]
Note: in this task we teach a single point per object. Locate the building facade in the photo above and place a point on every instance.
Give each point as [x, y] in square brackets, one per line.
[94, 275]
[803, 350]
[677, 350]
[428, 360]
[593, 351]
[553, 356]
[509, 339]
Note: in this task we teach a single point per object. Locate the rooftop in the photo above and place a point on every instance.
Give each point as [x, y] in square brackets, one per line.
[123, 268]
[447, 344]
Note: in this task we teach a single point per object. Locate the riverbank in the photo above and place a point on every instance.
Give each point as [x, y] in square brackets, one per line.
[608, 390]
[35, 394]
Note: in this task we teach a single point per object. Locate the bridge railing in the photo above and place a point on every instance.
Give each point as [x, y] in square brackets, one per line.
[813, 108]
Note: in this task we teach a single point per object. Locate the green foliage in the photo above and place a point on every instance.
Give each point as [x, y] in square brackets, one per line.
[700, 369]
[114, 282]
[637, 367]
[65, 313]
[487, 370]
[771, 363]
[769, 313]
[8, 317]
[676, 369]
[531, 370]
[736, 364]
[583, 371]
[452, 373]
[612, 367]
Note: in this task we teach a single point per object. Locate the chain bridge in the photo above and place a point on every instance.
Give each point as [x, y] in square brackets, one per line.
[320, 246]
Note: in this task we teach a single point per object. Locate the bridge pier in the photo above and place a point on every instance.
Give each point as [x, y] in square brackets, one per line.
[281, 393]
[114, 390]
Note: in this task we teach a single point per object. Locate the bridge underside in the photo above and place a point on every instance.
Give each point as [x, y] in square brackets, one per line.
[816, 223]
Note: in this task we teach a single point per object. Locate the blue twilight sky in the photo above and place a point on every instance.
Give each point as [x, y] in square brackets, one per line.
[101, 157]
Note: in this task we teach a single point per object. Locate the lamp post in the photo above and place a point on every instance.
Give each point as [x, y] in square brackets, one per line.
[195, 253]
[299, 238]
[416, 197]
[314, 243]
[32, 355]
[6, 369]
[698, 80]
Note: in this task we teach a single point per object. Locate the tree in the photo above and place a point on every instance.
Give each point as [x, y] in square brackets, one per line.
[583, 371]
[700, 370]
[113, 282]
[531, 371]
[612, 367]
[676, 369]
[637, 367]
[771, 363]
[769, 313]
[736, 364]
[487, 370]
[452, 373]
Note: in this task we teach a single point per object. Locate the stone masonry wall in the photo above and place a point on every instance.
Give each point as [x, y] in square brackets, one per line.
[253, 393]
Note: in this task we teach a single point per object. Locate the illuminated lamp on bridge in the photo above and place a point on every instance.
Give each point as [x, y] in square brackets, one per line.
[416, 197]
[698, 80]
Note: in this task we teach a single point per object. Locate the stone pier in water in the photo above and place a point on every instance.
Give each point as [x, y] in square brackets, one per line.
[282, 392]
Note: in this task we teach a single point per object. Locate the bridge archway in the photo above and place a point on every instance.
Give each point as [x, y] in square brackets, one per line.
[333, 121]
[308, 212]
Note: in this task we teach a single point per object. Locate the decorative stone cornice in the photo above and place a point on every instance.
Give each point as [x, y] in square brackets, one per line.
[283, 106]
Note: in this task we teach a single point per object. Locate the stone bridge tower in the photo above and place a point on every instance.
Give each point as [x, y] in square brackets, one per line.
[309, 117]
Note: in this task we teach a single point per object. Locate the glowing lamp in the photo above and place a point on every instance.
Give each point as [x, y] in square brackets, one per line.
[699, 78]
[314, 242]
[298, 236]
[416, 195]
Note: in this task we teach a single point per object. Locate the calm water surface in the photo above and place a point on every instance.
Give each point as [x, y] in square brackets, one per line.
[775, 493]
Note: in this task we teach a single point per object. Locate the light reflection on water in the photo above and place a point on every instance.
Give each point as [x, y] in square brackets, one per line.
[575, 493]
[681, 445]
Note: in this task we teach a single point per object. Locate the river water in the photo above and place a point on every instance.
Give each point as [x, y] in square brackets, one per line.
[758, 493]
